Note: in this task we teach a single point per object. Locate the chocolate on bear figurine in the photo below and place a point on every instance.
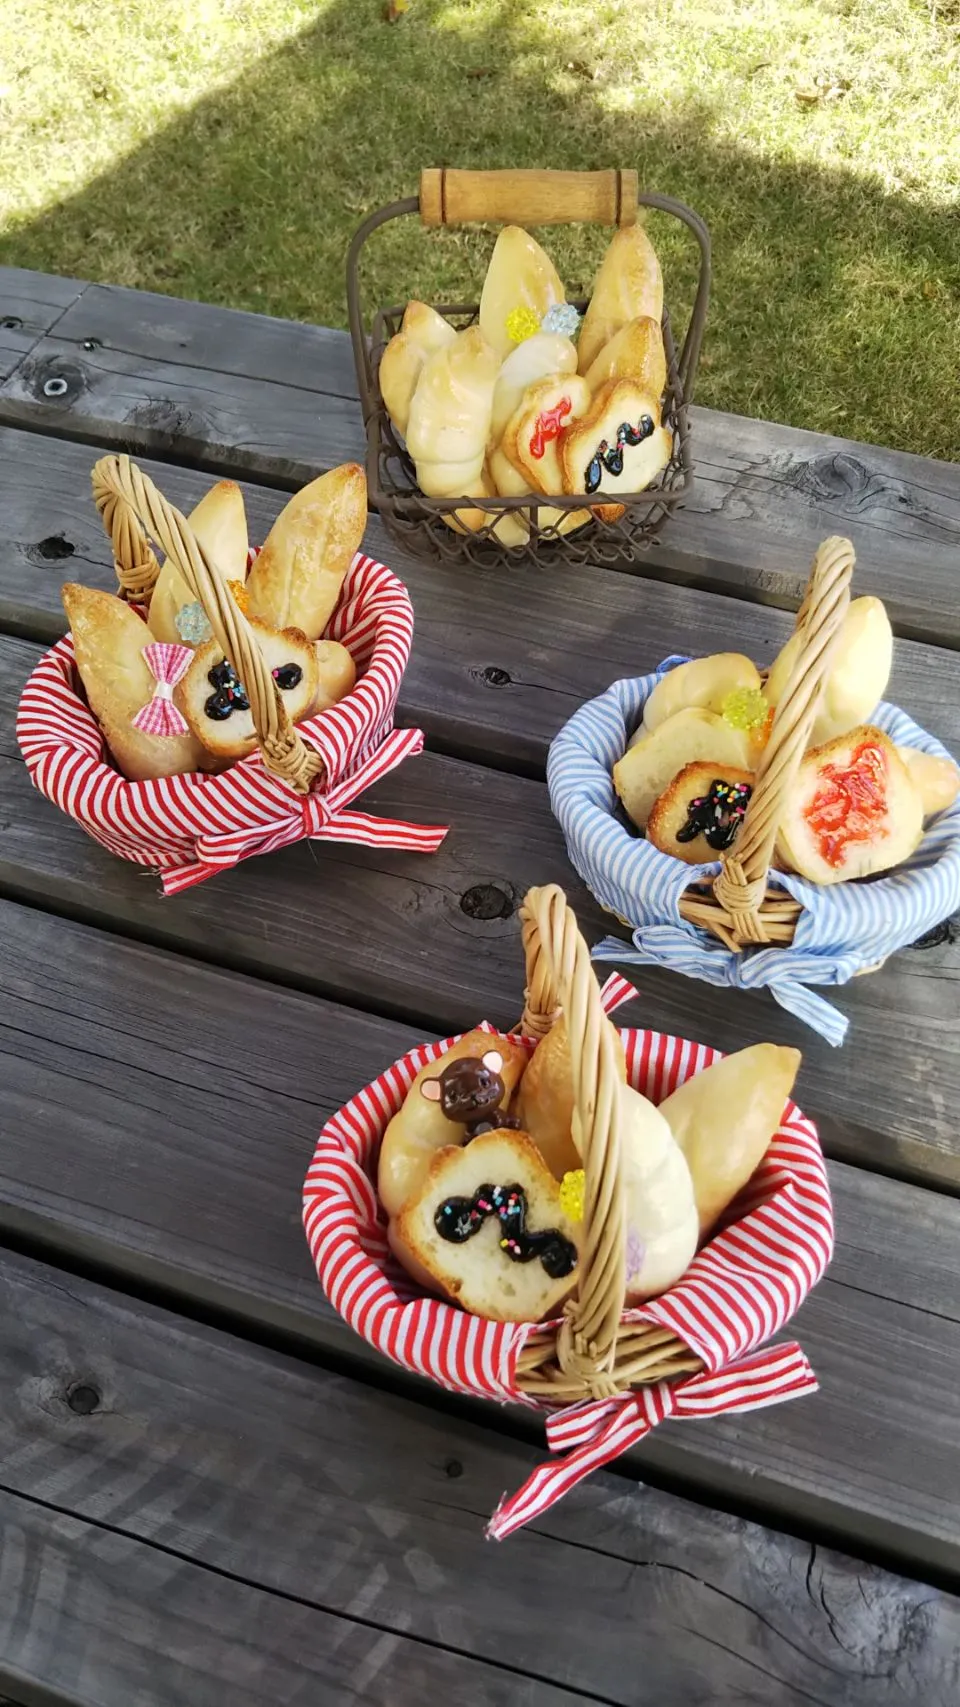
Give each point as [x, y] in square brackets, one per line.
[470, 1091]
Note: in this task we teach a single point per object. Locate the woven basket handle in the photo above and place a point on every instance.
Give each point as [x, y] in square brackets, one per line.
[449, 197]
[560, 978]
[742, 882]
[134, 511]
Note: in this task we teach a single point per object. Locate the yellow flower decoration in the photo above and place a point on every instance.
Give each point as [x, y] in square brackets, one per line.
[522, 322]
[745, 708]
[571, 1194]
[240, 593]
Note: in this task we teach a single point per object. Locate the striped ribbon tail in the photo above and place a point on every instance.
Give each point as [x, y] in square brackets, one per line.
[593, 1433]
[616, 992]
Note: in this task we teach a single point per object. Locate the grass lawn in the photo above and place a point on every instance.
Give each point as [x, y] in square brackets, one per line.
[226, 149]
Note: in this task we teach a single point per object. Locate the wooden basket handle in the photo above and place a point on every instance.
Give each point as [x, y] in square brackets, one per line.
[741, 884]
[450, 197]
[561, 978]
[134, 511]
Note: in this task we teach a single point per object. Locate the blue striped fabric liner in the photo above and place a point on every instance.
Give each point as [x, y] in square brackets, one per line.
[844, 929]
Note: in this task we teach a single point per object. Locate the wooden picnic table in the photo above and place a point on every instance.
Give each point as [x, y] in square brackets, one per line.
[213, 1492]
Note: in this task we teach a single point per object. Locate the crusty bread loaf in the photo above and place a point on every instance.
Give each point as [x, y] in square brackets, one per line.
[861, 659]
[544, 356]
[108, 641]
[618, 446]
[701, 681]
[635, 352]
[854, 811]
[296, 580]
[724, 1118]
[628, 284]
[210, 686]
[336, 673]
[476, 1270]
[536, 430]
[220, 525]
[422, 332]
[698, 816]
[420, 1128]
[652, 762]
[545, 1098]
[520, 275]
[937, 780]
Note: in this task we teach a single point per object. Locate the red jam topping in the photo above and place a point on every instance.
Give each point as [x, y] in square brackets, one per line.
[549, 425]
[850, 804]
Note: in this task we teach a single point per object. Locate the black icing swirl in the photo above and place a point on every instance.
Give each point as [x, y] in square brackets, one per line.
[610, 457]
[458, 1218]
[228, 695]
[717, 815]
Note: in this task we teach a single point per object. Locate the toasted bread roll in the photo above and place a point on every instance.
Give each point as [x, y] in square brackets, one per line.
[724, 1118]
[702, 681]
[855, 810]
[422, 332]
[652, 762]
[937, 780]
[220, 524]
[296, 580]
[545, 1098]
[535, 432]
[629, 284]
[860, 663]
[618, 446]
[336, 673]
[699, 814]
[520, 275]
[108, 641]
[487, 1228]
[215, 704]
[635, 352]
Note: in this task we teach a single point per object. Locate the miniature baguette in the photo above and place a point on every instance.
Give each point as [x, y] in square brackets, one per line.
[220, 525]
[296, 580]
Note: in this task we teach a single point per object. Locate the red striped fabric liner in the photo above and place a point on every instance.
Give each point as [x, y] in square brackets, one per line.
[740, 1290]
[165, 824]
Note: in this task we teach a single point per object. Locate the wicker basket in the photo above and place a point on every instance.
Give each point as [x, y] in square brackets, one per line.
[605, 1374]
[300, 781]
[524, 198]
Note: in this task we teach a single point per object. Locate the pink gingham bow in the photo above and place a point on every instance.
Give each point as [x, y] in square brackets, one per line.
[166, 663]
[597, 1430]
[320, 816]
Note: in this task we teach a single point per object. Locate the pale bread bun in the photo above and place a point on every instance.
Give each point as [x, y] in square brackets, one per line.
[661, 1215]
[509, 529]
[701, 681]
[651, 763]
[422, 332]
[629, 284]
[635, 352]
[536, 431]
[508, 480]
[597, 459]
[854, 810]
[520, 275]
[478, 1273]
[296, 580]
[511, 483]
[674, 812]
[336, 673]
[108, 642]
[724, 1118]
[234, 736]
[937, 780]
[450, 413]
[420, 1128]
[220, 524]
[545, 1098]
[861, 659]
[543, 356]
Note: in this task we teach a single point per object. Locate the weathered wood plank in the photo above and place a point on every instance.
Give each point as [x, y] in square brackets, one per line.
[434, 938]
[31, 304]
[122, 1126]
[498, 664]
[231, 391]
[372, 1507]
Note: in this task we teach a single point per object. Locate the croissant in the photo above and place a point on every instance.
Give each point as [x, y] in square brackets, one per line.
[520, 275]
[628, 284]
[220, 525]
[450, 416]
[422, 332]
[296, 580]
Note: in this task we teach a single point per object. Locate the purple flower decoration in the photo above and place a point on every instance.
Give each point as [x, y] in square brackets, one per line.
[636, 1251]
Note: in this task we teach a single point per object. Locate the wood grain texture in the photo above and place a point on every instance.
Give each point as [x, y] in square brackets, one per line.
[172, 1155]
[372, 1508]
[231, 391]
[30, 306]
[511, 197]
[435, 938]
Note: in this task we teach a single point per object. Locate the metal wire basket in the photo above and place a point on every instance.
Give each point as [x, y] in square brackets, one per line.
[417, 522]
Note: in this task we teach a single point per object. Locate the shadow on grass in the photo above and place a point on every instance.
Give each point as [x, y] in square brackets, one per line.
[835, 306]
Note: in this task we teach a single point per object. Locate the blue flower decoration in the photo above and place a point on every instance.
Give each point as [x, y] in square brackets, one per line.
[562, 318]
[192, 625]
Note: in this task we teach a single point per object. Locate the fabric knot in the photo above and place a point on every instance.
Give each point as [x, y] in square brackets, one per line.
[167, 663]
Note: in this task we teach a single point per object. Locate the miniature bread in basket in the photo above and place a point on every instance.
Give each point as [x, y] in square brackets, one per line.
[794, 831]
[229, 702]
[644, 1282]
